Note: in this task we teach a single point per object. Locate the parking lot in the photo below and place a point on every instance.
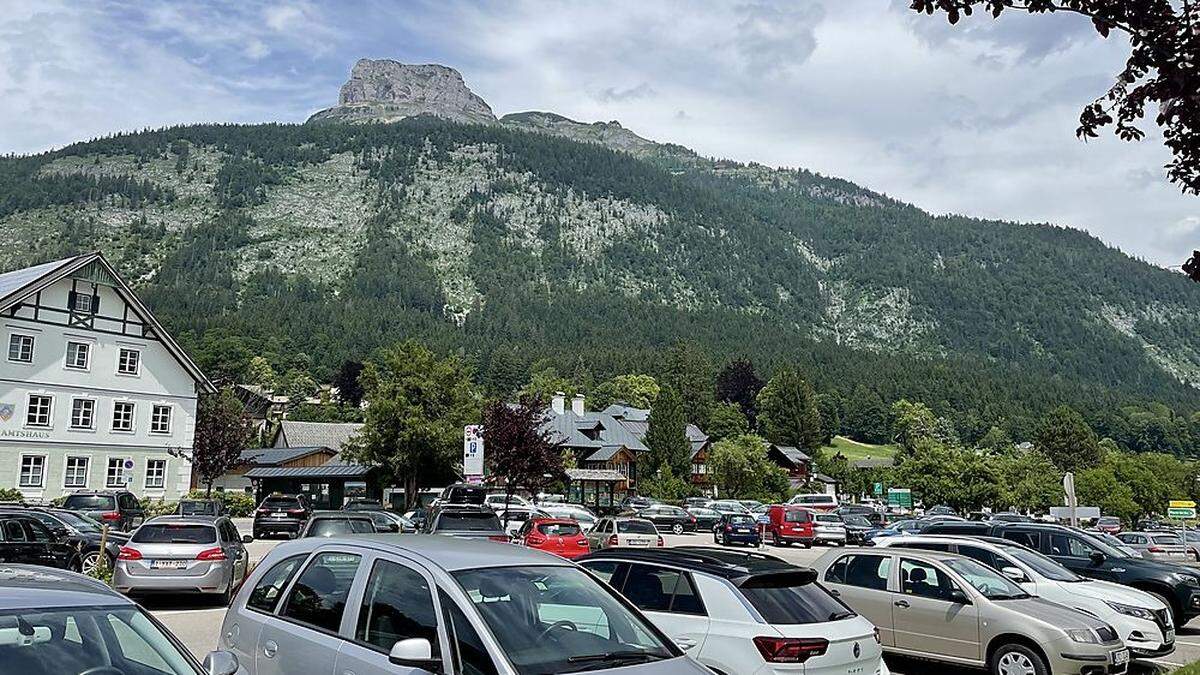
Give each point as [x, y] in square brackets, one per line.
[197, 622]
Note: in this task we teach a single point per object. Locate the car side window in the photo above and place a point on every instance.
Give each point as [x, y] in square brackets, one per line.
[864, 571]
[653, 589]
[1079, 548]
[318, 598]
[38, 532]
[609, 571]
[469, 653]
[924, 580]
[982, 555]
[265, 595]
[686, 599]
[13, 531]
[1026, 538]
[397, 605]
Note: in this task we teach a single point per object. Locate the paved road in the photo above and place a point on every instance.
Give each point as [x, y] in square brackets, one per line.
[198, 623]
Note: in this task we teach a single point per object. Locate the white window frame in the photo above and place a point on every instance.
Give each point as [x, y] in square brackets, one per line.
[71, 422]
[87, 470]
[137, 362]
[41, 474]
[132, 417]
[160, 475]
[87, 354]
[154, 410]
[49, 411]
[13, 337]
[108, 465]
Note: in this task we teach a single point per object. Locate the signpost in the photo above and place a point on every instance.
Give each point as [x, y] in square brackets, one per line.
[1072, 504]
[901, 497]
[473, 453]
[1181, 509]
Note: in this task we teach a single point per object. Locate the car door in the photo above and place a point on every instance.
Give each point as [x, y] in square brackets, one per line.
[669, 598]
[306, 634]
[1075, 553]
[926, 618]
[396, 603]
[598, 536]
[243, 623]
[235, 551]
[18, 546]
[862, 581]
[45, 547]
[131, 510]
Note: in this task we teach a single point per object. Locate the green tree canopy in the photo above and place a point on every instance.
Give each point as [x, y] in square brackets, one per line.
[787, 411]
[688, 369]
[666, 437]
[740, 469]
[941, 474]
[1068, 440]
[726, 420]
[639, 391]
[1029, 481]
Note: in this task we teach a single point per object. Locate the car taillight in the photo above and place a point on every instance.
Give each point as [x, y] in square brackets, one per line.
[729, 528]
[582, 542]
[263, 512]
[129, 554]
[295, 512]
[661, 543]
[790, 650]
[612, 541]
[211, 554]
[111, 515]
[693, 520]
[1155, 549]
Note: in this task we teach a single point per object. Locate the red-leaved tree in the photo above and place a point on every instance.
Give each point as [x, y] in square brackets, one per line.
[222, 432]
[519, 447]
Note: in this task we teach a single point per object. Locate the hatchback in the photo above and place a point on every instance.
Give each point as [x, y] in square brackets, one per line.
[829, 529]
[334, 523]
[560, 536]
[119, 509]
[174, 554]
[737, 528]
[465, 520]
[624, 531]
[1164, 546]
[387, 605]
[742, 613]
[950, 608]
[669, 518]
[787, 525]
[281, 514]
[55, 622]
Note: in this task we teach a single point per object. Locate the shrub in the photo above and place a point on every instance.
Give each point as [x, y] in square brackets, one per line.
[158, 507]
[237, 504]
[11, 495]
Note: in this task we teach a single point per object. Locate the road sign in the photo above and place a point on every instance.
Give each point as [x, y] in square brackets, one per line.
[1182, 504]
[1181, 513]
[901, 497]
[473, 450]
[878, 489]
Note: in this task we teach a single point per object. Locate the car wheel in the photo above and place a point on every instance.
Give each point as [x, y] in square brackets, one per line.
[88, 563]
[677, 528]
[1017, 659]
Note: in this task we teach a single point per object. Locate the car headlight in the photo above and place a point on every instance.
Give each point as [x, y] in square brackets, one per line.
[1189, 579]
[1083, 635]
[1130, 610]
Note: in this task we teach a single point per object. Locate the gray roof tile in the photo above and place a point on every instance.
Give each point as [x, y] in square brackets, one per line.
[315, 434]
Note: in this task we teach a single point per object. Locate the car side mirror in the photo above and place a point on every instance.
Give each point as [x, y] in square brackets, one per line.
[415, 653]
[957, 595]
[1098, 558]
[60, 532]
[246, 539]
[221, 663]
[1015, 574]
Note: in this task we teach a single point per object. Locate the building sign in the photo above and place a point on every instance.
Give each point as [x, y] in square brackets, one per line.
[473, 450]
[6, 411]
[23, 433]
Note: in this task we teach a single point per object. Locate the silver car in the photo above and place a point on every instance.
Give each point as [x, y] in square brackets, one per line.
[402, 605]
[1164, 546]
[172, 554]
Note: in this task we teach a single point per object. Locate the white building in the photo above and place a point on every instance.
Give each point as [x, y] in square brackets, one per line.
[93, 392]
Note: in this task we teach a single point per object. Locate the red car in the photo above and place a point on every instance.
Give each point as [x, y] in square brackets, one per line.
[560, 536]
[787, 524]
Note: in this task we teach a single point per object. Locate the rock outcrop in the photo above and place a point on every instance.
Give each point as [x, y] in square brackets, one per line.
[383, 90]
[610, 134]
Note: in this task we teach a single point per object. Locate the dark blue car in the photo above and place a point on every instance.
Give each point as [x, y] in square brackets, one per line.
[737, 528]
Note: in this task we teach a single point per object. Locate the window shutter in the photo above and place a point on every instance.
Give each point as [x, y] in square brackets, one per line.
[96, 303]
[71, 301]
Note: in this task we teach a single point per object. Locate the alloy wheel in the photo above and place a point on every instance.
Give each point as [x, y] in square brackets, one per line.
[89, 562]
[1016, 663]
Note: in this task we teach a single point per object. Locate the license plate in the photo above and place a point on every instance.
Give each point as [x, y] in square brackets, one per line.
[1121, 657]
[279, 515]
[1169, 636]
[167, 564]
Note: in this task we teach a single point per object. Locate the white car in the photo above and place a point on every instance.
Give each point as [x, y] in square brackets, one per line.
[624, 531]
[828, 528]
[580, 514]
[514, 517]
[743, 613]
[816, 501]
[496, 501]
[1140, 619]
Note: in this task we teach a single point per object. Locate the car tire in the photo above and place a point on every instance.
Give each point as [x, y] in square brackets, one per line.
[677, 528]
[1014, 658]
[87, 563]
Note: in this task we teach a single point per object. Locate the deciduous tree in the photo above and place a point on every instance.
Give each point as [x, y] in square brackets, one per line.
[519, 446]
[222, 432]
[738, 383]
[639, 391]
[740, 469]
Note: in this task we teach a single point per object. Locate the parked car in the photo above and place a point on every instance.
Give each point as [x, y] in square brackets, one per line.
[815, 502]
[940, 511]
[624, 531]
[468, 521]
[183, 554]
[200, 507]
[580, 514]
[24, 539]
[1142, 621]
[706, 519]
[1010, 517]
[386, 521]
[336, 523]
[696, 502]
[281, 513]
[119, 509]
[362, 504]
[1121, 546]
[1191, 539]
[560, 536]
[728, 506]
[497, 501]
[788, 524]
[828, 529]
[857, 528]
[384, 605]
[1164, 546]
[950, 608]
[634, 502]
[463, 493]
[872, 514]
[79, 533]
[1109, 524]
[63, 622]
[1085, 554]
[669, 518]
[742, 613]
[737, 528]
[514, 517]
[897, 528]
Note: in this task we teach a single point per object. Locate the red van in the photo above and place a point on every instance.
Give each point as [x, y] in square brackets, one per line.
[788, 524]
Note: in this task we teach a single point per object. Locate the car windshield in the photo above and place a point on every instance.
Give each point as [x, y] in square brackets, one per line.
[90, 502]
[856, 520]
[986, 580]
[198, 508]
[828, 518]
[552, 620]
[111, 640]
[793, 599]
[739, 519]
[1042, 565]
[636, 527]
[331, 527]
[1167, 540]
[175, 533]
[468, 521]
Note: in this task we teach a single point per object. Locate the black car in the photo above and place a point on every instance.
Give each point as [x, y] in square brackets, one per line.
[79, 532]
[668, 518]
[24, 539]
[875, 517]
[857, 526]
[706, 519]
[285, 514]
[200, 507]
[362, 505]
[463, 493]
[471, 521]
[1081, 552]
[119, 509]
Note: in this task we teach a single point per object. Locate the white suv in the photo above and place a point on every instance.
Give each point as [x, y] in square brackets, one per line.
[742, 613]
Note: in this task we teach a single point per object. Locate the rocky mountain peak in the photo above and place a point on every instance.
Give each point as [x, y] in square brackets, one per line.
[383, 90]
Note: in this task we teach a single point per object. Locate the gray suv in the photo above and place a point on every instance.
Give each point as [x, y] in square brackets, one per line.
[388, 605]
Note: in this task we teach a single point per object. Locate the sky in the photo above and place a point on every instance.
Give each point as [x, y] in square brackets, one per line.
[977, 119]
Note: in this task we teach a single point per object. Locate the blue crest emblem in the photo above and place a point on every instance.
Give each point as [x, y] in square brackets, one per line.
[6, 411]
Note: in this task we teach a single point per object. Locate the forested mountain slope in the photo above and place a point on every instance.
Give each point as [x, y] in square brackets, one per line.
[329, 240]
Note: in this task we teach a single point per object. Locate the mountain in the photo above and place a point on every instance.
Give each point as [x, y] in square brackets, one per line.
[533, 239]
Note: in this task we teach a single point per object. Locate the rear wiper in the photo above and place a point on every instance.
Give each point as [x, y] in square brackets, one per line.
[617, 656]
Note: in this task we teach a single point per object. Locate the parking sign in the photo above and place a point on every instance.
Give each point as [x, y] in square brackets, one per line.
[473, 450]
